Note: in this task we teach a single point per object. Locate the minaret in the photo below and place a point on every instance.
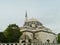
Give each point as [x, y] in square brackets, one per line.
[26, 17]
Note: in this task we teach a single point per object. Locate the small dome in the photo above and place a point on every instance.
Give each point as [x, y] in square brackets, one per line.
[32, 19]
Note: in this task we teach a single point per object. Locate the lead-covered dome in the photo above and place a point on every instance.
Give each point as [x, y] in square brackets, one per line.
[33, 22]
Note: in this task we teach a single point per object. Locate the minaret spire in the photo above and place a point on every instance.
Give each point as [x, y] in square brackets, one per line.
[26, 17]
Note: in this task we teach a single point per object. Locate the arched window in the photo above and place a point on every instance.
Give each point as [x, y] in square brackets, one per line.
[23, 41]
[48, 40]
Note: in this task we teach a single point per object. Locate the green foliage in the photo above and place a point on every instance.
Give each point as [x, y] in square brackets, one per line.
[58, 38]
[2, 38]
[12, 33]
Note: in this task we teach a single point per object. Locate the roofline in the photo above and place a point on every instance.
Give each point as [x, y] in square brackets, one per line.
[39, 31]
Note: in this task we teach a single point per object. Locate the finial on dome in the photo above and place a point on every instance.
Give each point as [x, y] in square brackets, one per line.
[26, 17]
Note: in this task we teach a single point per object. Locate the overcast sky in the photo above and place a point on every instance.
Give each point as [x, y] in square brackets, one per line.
[46, 11]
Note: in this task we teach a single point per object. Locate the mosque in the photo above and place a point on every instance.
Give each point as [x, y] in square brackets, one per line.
[34, 31]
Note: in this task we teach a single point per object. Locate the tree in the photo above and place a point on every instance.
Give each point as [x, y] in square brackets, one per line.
[2, 38]
[58, 38]
[12, 33]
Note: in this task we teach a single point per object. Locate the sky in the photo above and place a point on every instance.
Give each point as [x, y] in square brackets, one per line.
[46, 11]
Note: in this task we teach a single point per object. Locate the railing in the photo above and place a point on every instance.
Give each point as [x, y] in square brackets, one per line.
[9, 43]
[39, 44]
[29, 44]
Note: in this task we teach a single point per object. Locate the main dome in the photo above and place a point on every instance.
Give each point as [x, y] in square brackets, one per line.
[32, 22]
